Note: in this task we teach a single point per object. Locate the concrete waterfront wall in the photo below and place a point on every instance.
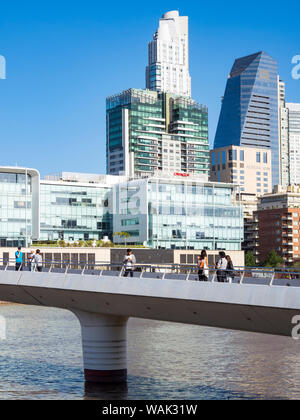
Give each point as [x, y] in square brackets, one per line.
[81, 255]
[116, 255]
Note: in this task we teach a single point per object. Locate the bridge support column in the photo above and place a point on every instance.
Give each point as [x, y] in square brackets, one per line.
[104, 347]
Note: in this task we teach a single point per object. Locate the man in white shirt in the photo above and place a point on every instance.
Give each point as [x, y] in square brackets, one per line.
[129, 261]
[221, 267]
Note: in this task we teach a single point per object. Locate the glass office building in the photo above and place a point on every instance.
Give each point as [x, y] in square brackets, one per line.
[179, 213]
[150, 131]
[249, 113]
[19, 220]
[73, 211]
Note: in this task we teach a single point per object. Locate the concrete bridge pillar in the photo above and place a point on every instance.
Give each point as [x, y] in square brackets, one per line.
[104, 345]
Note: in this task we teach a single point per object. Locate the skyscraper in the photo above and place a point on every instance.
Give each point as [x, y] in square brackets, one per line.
[161, 128]
[294, 141]
[149, 131]
[283, 115]
[168, 58]
[249, 114]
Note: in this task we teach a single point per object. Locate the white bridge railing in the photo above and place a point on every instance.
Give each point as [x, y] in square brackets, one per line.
[183, 272]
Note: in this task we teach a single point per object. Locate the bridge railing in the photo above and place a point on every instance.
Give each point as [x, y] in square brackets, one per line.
[183, 272]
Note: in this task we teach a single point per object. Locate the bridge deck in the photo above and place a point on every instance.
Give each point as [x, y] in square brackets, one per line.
[252, 305]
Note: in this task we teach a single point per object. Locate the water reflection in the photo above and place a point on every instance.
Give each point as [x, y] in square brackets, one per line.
[42, 359]
[105, 391]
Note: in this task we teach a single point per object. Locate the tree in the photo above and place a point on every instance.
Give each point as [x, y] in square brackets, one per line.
[250, 260]
[125, 235]
[273, 259]
[119, 234]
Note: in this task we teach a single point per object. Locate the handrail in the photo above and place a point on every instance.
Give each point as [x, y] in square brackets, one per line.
[240, 275]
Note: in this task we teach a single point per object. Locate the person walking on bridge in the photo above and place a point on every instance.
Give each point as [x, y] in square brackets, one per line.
[230, 269]
[19, 259]
[38, 260]
[221, 267]
[202, 264]
[129, 262]
[31, 261]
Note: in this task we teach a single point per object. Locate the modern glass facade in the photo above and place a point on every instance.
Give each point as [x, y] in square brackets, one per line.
[17, 206]
[73, 212]
[249, 113]
[179, 214]
[149, 132]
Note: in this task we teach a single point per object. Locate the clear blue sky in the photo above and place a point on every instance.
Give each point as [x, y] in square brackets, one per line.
[65, 57]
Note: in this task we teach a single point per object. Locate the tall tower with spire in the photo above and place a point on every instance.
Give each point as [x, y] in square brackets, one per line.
[168, 57]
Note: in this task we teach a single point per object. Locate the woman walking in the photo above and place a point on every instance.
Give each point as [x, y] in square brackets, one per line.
[202, 264]
[229, 270]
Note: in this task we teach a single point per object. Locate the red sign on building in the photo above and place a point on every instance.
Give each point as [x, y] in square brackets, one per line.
[181, 174]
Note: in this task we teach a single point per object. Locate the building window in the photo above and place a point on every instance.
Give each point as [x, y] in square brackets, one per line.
[265, 157]
[223, 157]
[232, 154]
[258, 157]
[242, 155]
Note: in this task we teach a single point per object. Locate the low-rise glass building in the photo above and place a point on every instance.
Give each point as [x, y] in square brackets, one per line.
[76, 207]
[179, 213]
[19, 206]
[184, 211]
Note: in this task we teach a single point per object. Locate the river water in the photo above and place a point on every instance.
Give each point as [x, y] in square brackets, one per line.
[41, 358]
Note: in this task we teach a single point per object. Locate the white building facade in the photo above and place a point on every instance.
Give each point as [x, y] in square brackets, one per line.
[294, 141]
[283, 115]
[168, 57]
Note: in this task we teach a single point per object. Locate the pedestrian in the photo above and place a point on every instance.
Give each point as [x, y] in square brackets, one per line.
[221, 267]
[31, 260]
[202, 264]
[129, 262]
[230, 269]
[19, 259]
[38, 260]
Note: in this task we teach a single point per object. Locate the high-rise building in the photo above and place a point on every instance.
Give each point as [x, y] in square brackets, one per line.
[283, 136]
[293, 112]
[150, 131]
[168, 57]
[248, 167]
[249, 113]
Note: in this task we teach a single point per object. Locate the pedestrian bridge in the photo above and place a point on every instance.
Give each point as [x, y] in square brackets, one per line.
[260, 301]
